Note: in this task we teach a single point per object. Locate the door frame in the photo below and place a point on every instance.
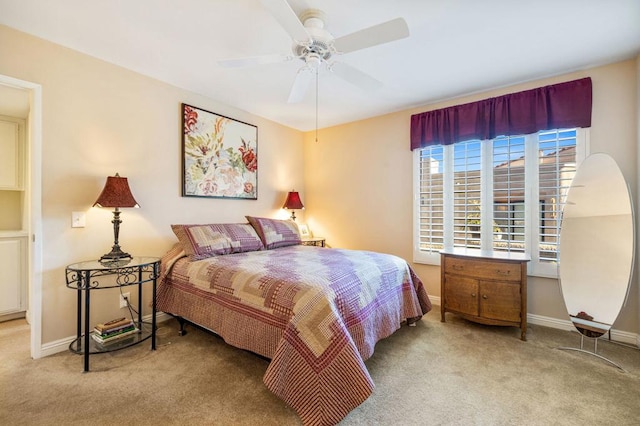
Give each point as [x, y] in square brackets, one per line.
[33, 204]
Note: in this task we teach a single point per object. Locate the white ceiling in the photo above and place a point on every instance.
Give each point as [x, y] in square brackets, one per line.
[455, 47]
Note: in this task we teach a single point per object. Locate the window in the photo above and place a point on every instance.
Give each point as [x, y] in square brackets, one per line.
[504, 194]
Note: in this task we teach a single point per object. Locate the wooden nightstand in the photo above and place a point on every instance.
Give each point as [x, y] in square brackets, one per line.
[313, 242]
[488, 287]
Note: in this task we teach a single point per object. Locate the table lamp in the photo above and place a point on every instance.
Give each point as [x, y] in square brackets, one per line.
[116, 193]
[293, 202]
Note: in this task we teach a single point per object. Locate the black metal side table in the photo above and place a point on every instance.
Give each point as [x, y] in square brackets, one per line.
[319, 242]
[85, 277]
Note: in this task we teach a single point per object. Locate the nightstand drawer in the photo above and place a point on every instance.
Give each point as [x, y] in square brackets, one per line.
[483, 269]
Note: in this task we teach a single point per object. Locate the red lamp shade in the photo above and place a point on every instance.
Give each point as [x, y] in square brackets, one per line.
[116, 193]
[293, 202]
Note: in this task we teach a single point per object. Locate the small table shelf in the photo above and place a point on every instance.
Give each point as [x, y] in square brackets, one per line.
[97, 348]
[85, 277]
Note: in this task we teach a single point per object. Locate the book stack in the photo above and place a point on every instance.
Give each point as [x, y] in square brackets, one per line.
[113, 331]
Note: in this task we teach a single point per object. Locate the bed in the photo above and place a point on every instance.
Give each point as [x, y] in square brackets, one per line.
[316, 313]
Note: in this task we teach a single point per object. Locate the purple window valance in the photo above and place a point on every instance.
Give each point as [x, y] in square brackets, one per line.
[551, 107]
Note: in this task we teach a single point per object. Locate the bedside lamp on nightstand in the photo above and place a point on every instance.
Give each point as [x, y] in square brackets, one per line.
[116, 193]
[293, 202]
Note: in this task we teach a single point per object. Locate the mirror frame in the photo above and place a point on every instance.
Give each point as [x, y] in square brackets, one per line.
[589, 214]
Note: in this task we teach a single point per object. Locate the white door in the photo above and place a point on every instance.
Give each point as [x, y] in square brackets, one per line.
[13, 289]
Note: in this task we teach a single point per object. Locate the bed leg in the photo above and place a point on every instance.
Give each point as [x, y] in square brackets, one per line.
[183, 323]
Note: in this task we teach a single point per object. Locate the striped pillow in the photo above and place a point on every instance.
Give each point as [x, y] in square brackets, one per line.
[202, 241]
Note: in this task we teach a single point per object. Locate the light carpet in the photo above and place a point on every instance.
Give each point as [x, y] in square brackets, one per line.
[453, 373]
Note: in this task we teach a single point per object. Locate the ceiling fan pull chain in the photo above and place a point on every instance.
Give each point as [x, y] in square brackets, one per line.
[317, 75]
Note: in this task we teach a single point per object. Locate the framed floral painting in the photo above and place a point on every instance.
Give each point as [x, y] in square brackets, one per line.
[219, 156]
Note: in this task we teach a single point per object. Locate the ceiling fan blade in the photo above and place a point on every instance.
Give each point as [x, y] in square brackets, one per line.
[355, 76]
[287, 18]
[254, 60]
[373, 36]
[301, 85]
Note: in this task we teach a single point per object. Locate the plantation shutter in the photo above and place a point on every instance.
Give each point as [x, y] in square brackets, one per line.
[431, 193]
[467, 203]
[509, 190]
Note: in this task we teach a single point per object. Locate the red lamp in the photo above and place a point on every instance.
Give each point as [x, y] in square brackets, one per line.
[293, 202]
[116, 193]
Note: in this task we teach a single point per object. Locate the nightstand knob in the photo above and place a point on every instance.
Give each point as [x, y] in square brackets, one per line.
[484, 296]
[473, 295]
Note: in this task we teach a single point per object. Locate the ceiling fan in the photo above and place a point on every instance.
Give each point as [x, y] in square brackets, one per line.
[316, 47]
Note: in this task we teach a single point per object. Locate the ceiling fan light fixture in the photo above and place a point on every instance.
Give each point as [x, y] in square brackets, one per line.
[313, 18]
[317, 48]
[314, 45]
[313, 61]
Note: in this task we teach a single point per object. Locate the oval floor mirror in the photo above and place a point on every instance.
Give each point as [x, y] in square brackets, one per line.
[596, 247]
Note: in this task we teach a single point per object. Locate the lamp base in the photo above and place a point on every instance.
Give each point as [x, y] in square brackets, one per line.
[114, 255]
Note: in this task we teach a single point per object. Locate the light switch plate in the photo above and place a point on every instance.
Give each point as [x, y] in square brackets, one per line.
[78, 219]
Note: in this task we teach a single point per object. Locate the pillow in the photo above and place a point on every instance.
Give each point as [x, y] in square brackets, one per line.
[202, 241]
[275, 233]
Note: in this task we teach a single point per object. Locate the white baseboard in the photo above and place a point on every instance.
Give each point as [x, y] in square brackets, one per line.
[435, 300]
[551, 322]
[616, 335]
[62, 345]
[567, 325]
[625, 337]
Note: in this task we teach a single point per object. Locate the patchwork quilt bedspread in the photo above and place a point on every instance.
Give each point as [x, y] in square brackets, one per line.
[317, 313]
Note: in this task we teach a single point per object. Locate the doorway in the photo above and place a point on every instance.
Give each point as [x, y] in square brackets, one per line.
[32, 205]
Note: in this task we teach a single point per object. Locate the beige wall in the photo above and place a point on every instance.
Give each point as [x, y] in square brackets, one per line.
[99, 119]
[358, 178]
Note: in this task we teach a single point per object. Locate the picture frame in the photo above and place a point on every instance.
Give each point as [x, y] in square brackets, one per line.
[304, 231]
[219, 156]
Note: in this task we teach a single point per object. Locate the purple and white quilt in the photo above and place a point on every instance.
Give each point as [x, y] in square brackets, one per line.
[317, 313]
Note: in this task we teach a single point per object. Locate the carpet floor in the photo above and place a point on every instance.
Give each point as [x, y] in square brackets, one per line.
[453, 373]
